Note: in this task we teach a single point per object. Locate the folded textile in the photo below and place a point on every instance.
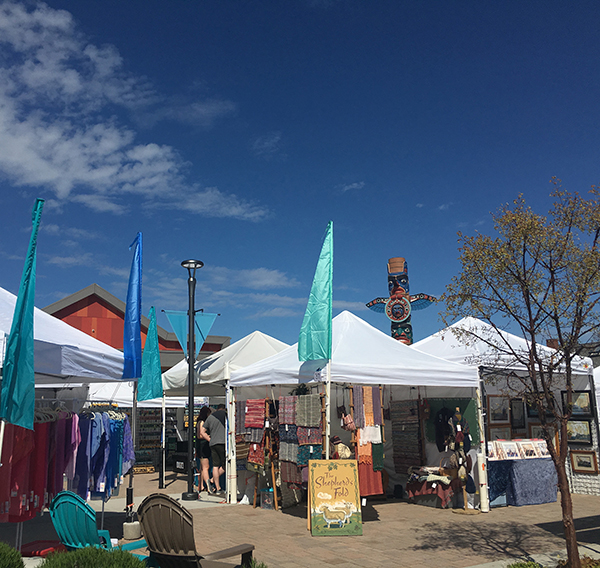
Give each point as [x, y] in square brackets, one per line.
[288, 452]
[288, 433]
[377, 414]
[308, 410]
[377, 452]
[310, 436]
[255, 413]
[241, 448]
[364, 451]
[255, 435]
[359, 413]
[368, 405]
[306, 453]
[369, 481]
[287, 409]
[290, 472]
[370, 434]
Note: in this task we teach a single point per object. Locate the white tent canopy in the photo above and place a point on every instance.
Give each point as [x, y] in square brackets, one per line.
[213, 370]
[361, 354]
[62, 353]
[477, 352]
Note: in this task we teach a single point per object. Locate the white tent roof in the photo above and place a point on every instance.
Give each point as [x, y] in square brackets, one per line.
[248, 350]
[122, 394]
[447, 345]
[361, 354]
[62, 352]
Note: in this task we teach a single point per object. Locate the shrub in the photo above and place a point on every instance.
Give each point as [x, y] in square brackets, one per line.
[10, 557]
[529, 564]
[257, 564]
[586, 562]
[91, 557]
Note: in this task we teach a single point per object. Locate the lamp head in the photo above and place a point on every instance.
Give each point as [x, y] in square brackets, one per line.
[191, 266]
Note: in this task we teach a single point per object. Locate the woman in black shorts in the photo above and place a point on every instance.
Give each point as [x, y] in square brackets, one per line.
[203, 451]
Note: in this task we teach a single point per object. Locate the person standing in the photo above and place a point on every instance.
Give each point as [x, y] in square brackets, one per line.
[214, 431]
[203, 451]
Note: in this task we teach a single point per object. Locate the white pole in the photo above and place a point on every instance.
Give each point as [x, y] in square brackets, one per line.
[2, 425]
[484, 501]
[327, 408]
[231, 478]
[163, 449]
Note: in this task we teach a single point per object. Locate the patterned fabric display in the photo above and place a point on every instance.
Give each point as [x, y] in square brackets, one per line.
[364, 451]
[288, 452]
[368, 405]
[255, 435]
[359, 413]
[290, 473]
[241, 448]
[377, 450]
[305, 453]
[255, 413]
[240, 416]
[287, 409]
[288, 433]
[308, 410]
[256, 455]
[309, 436]
[377, 414]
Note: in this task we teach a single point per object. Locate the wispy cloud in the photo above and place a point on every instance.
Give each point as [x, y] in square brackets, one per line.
[444, 206]
[350, 306]
[267, 146]
[352, 186]
[420, 205]
[254, 278]
[58, 94]
[67, 232]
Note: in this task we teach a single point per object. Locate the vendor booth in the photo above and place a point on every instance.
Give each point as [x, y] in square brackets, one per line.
[392, 394]
[520, 470]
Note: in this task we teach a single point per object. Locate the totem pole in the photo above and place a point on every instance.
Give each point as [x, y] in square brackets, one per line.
[399, 304]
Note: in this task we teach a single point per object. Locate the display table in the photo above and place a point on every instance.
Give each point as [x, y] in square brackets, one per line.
[525, 482]
[416, 489]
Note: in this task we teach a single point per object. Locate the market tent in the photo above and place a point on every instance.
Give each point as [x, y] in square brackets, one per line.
[62, 353]
[122, 394]
[214, 369]
[481, 352]
[363, 355]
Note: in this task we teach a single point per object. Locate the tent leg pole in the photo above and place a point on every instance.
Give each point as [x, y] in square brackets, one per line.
[2, 426]
[327, 409]
[484, 501]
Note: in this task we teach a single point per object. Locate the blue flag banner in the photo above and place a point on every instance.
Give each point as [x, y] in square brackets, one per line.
[314, 341]
[180, 323]
[150, 383]
[18, 376]
[132, 334]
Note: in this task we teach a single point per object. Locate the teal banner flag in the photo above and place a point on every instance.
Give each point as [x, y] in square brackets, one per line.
[315, 334]
[180, 323]
[150, 383]
[18, 376]
[132, 332]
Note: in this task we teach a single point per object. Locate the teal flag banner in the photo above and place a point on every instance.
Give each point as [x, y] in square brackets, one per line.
[150, 383]
[18, 375]
[180, 323]
[314, 341]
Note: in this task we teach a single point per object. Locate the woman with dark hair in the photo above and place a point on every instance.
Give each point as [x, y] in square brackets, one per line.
[203, 451]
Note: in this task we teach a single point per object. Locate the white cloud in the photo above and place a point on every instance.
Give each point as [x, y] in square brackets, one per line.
[420, 205]
[351, 186]
[254, 278]
[267, 146]
[444, 206]
[58, 95]
[350, 306]
[66, 232]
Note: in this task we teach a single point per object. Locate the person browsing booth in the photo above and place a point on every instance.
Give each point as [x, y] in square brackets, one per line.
[214, 431]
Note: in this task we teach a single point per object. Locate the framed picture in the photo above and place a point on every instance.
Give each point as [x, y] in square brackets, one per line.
[492, 454]
[511, 450]
[536, 431]
[528, 449]
[531, 411]
[579, 432]
[517, 414]
[582, 404]
[498, 409]
[584, 461]
[500, 432]
[542, 448]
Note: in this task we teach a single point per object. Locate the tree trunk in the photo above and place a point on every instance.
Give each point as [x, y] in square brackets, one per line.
[566, 504]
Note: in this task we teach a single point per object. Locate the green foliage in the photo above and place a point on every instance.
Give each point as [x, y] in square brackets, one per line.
[586, 562]
[256, 564]
[91, 557]
[525, 565]
[10, 557]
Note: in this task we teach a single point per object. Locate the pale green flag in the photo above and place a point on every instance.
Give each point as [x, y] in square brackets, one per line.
[315, 334]
[150, 383]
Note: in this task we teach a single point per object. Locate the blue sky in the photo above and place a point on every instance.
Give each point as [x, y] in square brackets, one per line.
[233, 131]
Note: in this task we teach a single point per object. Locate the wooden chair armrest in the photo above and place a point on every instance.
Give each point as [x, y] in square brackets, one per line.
[229, 552]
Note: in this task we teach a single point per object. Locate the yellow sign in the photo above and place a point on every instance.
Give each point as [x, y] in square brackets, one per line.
[334, 497]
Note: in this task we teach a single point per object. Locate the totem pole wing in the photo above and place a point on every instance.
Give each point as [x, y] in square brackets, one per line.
[377, 305]
[421, 301]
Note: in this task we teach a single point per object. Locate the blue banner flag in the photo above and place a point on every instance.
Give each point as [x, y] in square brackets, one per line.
[132, 334]
[180, 323]
[315, 334]
[18, 376]
[150, 383]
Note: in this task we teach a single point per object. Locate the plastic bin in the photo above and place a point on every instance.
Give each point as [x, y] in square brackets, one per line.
[266, 498]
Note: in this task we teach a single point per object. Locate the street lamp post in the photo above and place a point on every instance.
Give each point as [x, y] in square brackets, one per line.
[191, 266]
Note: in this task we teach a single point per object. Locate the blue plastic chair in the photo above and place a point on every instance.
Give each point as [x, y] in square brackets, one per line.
[75, 523]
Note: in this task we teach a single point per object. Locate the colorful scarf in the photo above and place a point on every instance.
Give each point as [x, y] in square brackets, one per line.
[368, 405]
[377, 414]
[308, 410]
[309, 436]
[377, 450]
[363, 450]
[359, 413]
[255, 413]
[288, 452]
[287, 409]
[288, 433]
[305, 453]
[255, 435]
[240, 416]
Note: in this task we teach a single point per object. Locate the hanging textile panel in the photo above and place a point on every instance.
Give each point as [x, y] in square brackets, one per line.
[308, 410]
[406, 439]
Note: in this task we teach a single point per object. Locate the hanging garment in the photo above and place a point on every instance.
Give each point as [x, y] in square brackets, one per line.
[128, 451]
[460, 430]
[359, 411]
[309, 436]
[377, 414]
[308, 410]
[377, 452]
[287, 409]
[443, 430]
[288, 433]
[369, 481]
[255, 413]
[305, 453]
[5, 470]
[370, 434]
[38, 473]
[19, 475]
[368, 405]
[256, 454]
[71, 450]
[288, 452]
[290, 473]
[82, 466]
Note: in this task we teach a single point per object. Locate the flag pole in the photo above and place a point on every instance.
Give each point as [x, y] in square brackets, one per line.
[327, 408]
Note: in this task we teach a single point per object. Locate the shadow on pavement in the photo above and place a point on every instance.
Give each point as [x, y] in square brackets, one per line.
[588, 529]
[369, 513]
[495, 540]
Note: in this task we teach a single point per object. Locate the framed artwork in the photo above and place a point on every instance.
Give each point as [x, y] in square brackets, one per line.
[511, 450]
[517, 414]
[537, 431]
[531, 411]
[498, 409]
[582, 404]
[492, 454]
[528, 449]
[583, 461]
[500, 432]
[579, 432]
[542, 448]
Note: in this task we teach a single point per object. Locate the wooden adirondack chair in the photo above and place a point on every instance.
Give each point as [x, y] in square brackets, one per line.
[169, 532]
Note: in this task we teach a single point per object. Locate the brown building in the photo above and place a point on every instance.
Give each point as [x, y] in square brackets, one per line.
[98, 313]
